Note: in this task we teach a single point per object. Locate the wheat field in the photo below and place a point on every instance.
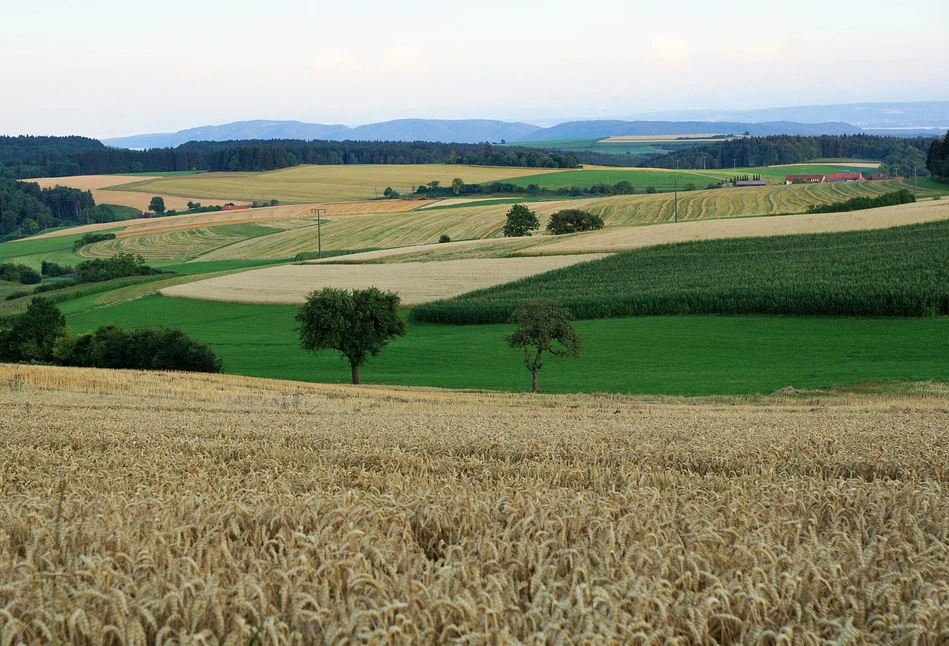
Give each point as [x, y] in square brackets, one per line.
[103, 193]
[416, 283]
[144, 508]
[334, 183]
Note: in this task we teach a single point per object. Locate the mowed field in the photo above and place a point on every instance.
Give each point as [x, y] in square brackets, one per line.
[304, 184]
[99, 185]
[415, 283]
[139, 508]
[353, 225]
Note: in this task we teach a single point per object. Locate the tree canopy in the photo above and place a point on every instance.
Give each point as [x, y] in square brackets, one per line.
[520, 222]
[572, 221]
[357, 324]
[543, 327]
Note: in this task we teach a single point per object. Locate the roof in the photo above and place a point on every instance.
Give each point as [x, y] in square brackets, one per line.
[752, 182]
[846, 176]
[806, 178]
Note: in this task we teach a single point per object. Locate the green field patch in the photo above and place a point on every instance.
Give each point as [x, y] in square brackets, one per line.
[688, 355]
[213, 266]
[901, 271]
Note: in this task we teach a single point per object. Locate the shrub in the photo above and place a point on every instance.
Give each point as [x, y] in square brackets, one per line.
[54, 270]
[118, 266]
[650, 189]
[901, 196]
[90, 238]
[444, 238]
[572, 221]
[148, 349]
[30, 276]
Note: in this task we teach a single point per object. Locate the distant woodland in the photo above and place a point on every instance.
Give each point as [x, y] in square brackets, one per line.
[29, 157]
[897, 154]
[25, 208]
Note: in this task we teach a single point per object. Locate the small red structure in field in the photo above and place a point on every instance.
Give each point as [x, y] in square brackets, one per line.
[803, 179]
[844, 177]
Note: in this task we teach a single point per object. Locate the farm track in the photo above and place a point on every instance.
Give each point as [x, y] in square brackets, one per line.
[140, 507]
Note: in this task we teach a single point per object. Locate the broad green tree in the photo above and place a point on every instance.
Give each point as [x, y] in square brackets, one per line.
[157, 204]
[543, 327]
[357, 324]
[520, 222]
[33, 333]
[572, 221]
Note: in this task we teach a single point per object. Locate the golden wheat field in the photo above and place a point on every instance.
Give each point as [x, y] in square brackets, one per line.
[143, 508]
[307, 183]
[416, 283]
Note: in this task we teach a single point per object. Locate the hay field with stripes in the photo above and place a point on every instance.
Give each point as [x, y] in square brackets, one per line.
[307, 183]
[145, 508]
[416, 283]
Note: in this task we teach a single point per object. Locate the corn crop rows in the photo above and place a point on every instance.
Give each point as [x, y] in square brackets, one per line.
[176, 509]
[902, 271]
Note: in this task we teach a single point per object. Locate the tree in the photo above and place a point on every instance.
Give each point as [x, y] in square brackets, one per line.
[572, 221]
[157, 205]
[33, 333]
[543, 327]
[357, 324]
[520, 222]
[457, 186]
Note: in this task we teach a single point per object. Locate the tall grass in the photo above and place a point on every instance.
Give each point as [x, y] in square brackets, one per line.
[901, 271]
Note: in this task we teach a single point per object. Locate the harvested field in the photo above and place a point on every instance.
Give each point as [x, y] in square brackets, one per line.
[624, 238]
[264, 215]
[140, 508]
[101, 193]
[415, 282]
[304, 184]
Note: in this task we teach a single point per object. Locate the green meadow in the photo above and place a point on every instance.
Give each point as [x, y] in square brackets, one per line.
[672, 355]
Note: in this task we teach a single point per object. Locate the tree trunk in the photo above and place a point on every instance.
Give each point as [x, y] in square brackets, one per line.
[355, 372]
[534, 382]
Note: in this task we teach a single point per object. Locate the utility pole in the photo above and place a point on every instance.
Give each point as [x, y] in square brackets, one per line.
[675, 187]
[319, 236]
[914, 178]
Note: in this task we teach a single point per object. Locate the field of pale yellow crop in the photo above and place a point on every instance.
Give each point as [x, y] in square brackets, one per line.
[416, 283]
[100, 186]
[304, 184]
[141, 508]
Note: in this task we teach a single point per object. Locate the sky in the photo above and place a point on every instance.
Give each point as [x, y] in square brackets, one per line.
[106, 68]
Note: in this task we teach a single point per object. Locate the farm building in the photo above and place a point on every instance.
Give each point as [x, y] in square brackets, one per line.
[844, 177]
[803, 179]
[752, 182]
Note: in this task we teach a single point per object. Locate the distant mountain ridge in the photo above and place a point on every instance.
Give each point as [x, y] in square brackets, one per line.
[803, 120]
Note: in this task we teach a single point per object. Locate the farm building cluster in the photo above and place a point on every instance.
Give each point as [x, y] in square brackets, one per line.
[833, 177]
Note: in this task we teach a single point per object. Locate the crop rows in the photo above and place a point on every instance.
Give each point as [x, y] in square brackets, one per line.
[172, 509]
[901, 271]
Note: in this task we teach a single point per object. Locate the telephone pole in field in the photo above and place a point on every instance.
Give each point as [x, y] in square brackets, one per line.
[675, 187]
[319, 236]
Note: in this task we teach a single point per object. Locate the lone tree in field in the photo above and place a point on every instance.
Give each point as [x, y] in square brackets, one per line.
[520, 222]
[572, 221]
[543, 327]
[358, 324]
[157, 204]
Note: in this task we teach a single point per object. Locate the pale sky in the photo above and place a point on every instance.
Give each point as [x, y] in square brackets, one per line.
[106, 68]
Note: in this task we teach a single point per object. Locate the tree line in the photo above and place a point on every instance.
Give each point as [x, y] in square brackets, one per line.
[937, 161]
[29, 157]
[897, 153]
[26, 209]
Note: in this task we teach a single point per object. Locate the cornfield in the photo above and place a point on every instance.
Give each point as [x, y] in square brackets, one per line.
[901, 271]
[180, 509]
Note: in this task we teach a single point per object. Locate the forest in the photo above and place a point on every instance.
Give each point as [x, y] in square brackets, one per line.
[29, 157]
[26, 209]
[898, 154]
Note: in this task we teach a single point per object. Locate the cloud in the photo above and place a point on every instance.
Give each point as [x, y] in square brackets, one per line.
[669, 51]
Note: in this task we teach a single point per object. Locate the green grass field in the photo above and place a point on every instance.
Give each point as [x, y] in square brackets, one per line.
[664, 179]
[687, 355]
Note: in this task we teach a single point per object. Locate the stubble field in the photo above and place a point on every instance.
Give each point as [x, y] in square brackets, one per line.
[416, 283]
[173, 508]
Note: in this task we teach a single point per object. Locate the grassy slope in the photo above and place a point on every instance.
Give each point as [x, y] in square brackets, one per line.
[700, 355]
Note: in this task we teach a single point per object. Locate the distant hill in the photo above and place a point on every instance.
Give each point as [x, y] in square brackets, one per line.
[894, 116]
[601, 129]
[898, 119]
